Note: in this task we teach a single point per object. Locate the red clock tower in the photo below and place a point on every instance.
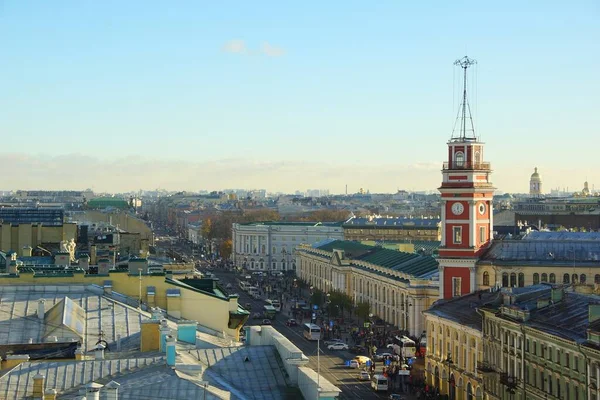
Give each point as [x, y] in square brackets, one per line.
[466, 197]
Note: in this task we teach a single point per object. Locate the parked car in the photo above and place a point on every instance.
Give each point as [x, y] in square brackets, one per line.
[338, 346]
[353, 364]
[332, 341]
[248, 306]
[291, 322]
[266, 322]
[364, 376]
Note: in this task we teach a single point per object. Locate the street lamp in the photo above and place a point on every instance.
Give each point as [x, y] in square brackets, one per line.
[449, 362]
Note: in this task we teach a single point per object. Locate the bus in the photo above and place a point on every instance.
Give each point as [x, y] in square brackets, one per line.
[312, 332]
[275, 303]
[379, 383]
[422, 346]
[244, 285]
[269, 312]
[408, 347]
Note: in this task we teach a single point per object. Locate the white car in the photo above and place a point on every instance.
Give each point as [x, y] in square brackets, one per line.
[364, 376]
[353, 364]
[338, 346]
[332, 341]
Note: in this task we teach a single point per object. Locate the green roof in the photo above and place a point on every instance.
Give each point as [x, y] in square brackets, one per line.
[108, 202]
[408, 263]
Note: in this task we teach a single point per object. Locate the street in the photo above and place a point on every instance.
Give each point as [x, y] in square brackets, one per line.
[331, 362]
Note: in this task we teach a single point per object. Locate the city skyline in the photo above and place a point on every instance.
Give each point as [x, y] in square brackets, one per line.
[120, 97]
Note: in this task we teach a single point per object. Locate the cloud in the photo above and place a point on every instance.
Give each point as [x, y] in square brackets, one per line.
[235, 46]
[271, 51]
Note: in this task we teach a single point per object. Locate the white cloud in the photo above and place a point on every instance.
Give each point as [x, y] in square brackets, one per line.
[271, 51]
[235, 46]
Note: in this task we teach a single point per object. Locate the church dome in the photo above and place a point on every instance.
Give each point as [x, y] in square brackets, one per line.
[535, 175]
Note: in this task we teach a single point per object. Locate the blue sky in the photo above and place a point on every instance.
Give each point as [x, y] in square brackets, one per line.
[191, 95]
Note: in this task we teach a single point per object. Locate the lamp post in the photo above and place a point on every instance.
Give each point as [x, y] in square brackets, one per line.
[449, 362]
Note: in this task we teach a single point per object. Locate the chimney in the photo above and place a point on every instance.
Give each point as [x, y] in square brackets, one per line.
[12, 267]
[92, 391]
[93, 260]
[171, 354]
[26, 251]
[593, 312]
[84, 262]
[79, 354]
[164, 332]
[50, 394]
[99, 352]
[38, 386]
[41, 308]
[111, 391]
[103, 266]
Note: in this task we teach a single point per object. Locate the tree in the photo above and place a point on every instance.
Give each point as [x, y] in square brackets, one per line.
[206, 229]
[225, 248]
[363, 309]
[317, 297]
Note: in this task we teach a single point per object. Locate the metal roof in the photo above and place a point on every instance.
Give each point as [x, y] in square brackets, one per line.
[20, 215]
[393, 222]
[549, 251]
[563, 235]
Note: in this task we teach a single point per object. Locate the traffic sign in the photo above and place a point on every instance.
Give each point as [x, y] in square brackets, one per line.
[388, 362]
[367, 324]
[314, 315]
[331, 324]
[315, 307]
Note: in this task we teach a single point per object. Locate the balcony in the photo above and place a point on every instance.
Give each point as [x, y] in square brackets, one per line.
[468, 166]
[485, 368]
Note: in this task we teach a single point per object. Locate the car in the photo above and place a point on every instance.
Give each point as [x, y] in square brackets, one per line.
[266, 322]
[358, 349]
[338, 346]
[256, 315]
[382, 356]
[353, 364]
[364, 376]
[248, 306]
[396, 396]
[362, 360]
[228, 286]
[247, 277]
[332, 341]
[291, 322]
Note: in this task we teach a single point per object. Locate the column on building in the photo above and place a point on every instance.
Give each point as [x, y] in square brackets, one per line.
[441, 281]
[473, 278]
[443, 218]
[472, 223]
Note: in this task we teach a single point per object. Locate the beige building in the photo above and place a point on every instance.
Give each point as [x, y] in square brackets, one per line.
[397, 285]
[16, 237]
[392, 229]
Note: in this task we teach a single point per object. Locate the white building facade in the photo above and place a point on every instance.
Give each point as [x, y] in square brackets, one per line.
[271, 246]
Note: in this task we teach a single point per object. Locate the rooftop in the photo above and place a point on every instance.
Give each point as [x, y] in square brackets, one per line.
[463, 310]
[20, 215]
[392, 222]
[292, 223]
[407, 263]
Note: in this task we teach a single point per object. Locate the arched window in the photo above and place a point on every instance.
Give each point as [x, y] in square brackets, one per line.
[544, 277]
[566, 278]
[536, 278]
[504, 279]
[459, 159]
[574, 278]
[582, 278]
[477, 158]
[597, 278]
[469, 391]
[552, 278]
[521, 279]
[486, 278]
[513, 279]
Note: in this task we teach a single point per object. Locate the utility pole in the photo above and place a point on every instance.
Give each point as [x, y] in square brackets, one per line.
[318, 368]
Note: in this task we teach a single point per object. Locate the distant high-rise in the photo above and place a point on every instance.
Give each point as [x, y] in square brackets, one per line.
[535, 184]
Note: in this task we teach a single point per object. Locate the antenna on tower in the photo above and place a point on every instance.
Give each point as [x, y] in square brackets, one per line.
[465, 130]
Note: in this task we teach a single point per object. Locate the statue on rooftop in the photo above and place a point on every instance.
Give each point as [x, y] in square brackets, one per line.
[71, 249]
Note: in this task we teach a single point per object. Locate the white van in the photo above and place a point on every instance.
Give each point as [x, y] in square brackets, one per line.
[379, 383]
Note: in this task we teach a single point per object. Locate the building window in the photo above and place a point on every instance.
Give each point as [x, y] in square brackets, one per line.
[513, 280]
[482, 234]
[504, 279]
[597, 278]
[274, 250]
[552, 278]
[456, 289]
[566, 278]
[486, 278]
[459, 159]
[582, 278]
[536, 278]
[521, 279]
[544, 277]
[574, 278]
[457, 234]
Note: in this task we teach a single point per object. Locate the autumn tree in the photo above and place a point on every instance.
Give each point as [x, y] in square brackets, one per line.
[206, 229]
[225, 248]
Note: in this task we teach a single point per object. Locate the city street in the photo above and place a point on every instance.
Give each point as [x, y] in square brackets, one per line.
[331, 362]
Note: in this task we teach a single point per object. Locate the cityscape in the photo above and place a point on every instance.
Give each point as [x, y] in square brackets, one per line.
[311, 201]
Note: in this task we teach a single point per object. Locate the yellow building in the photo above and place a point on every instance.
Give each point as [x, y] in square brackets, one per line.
[398, 286]
[392, 229]
[16, 237]
[455, 347]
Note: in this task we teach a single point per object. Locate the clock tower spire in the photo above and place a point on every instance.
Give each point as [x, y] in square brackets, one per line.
[466, 197]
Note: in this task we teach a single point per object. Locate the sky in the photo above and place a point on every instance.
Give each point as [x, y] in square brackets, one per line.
[191, 95]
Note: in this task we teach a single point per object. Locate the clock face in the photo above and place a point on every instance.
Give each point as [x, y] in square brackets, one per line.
[457, 208]
[481, 208]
